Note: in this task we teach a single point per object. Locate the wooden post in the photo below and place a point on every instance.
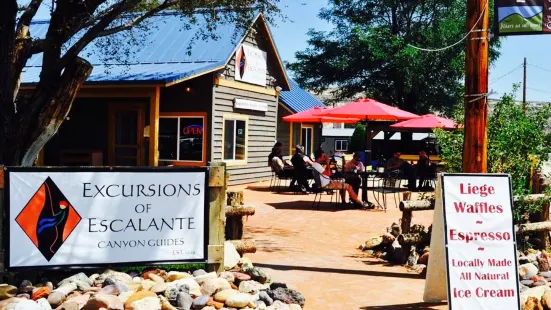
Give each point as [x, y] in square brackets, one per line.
[475, 146]
[217, 216]
[154, 102]
[405, 222]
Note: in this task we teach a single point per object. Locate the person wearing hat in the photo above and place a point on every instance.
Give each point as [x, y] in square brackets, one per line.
[300, 167]
[351, 170]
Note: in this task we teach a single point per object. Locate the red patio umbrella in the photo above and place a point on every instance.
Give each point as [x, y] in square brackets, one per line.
[368, 110]
[313, 116]
[429, 121]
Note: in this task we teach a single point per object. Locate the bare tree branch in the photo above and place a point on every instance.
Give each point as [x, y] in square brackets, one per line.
[135, 21]
[26, 17]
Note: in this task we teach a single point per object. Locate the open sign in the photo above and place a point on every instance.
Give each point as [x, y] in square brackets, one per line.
[193, 130]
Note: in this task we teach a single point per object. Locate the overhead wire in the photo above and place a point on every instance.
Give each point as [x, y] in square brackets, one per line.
[506, 74]
[541, 68]
[458, 42]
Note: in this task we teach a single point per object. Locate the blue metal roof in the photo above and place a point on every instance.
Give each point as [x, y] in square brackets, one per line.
[298, 99]
[161, 55]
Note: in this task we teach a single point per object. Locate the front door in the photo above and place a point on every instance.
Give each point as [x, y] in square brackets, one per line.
[126, 136]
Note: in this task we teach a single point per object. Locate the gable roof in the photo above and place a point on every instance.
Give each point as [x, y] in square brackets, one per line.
[162, 56]
[298, 99]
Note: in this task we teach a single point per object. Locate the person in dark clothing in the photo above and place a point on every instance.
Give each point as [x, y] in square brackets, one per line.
[423, 167]
[351, 170]
[396, 163]
[300, 166]
[277, 150]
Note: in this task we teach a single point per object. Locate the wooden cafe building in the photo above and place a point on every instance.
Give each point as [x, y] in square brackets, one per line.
[183, 101]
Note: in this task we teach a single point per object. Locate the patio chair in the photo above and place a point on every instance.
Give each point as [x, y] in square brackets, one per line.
[391, 183]
[318, 190]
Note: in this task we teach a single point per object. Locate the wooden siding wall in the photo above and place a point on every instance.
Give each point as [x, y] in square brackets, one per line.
[284, 130]
[261, 126]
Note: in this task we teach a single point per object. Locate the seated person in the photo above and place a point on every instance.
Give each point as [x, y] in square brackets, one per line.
[326, 181]
[319, 157]
[281, 169]
[396, 163]
[423, 166]
[277, 150]
[300, 169]
[351, 170]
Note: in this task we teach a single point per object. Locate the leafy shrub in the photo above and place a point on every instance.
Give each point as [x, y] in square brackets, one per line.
[357, 142]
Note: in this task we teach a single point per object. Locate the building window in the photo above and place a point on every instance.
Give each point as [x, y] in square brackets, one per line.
[181, 138]
[235, 133]
[341, 145]
[306, 137]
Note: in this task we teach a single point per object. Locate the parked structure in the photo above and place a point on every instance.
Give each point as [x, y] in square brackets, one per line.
[177, 100]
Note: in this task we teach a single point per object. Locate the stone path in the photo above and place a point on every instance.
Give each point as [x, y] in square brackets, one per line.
[315, 251]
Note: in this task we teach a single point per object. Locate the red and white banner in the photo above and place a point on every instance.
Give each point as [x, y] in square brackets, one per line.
[480, 242]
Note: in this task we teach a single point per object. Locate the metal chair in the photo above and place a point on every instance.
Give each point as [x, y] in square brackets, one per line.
[319, 190]
[391, 183]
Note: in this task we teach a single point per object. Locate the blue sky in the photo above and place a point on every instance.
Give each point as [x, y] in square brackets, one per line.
[290, 37]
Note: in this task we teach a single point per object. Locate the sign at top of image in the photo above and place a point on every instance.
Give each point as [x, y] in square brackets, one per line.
[95, 216]
[250, 65]
[480, 242]
[521, 17]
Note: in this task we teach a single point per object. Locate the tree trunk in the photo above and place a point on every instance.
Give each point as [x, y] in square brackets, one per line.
[234, 227]
[235, 198]
[41, 114]
[244, 246]
[416, 205]
[531, 227]
[240, 211]
[405, 222]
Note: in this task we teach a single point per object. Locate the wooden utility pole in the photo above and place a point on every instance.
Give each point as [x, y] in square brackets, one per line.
[524, 88]
[475, 147]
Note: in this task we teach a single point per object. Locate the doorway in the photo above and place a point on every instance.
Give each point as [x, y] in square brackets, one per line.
[306, 137]
[126, 134]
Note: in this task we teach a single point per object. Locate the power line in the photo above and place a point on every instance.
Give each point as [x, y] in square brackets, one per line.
[541, 68]
[541, 91]
[506, 74]
[462, 39]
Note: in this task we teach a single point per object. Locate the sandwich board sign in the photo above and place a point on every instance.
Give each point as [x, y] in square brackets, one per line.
[473, 246]
[80, 216]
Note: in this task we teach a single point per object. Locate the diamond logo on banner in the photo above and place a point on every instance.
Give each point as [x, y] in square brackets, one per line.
[48, 219]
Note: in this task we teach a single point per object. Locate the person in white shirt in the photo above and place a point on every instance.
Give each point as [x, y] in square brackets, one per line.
[326, 181]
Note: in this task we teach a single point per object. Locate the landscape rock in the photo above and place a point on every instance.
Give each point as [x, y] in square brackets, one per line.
[258, 274]
[108, 302]
[239, 300]
[115, 275]
[239, 276]
[80, 279]
[546, 300]
[193, 287]
[265, 297]
[26, 287]
[231, 256]
[147, 303]
[200, 302]
[159, 288]
[544, 261]
[76, 303]
[177, 275]
[275, 285]
[137, 296]
[295, 307]
[147, 284]
[288, 296]
[59, 294]
[41, 292]
[184, 301]
[215, 304]
[532, 304]
[43, 304]
[202, 278]
[24, 304]
[278, 305]
[536, 292]
[251, 287]
[260, 305]
[156, 278]
[109, 290]
[165, 304]
[424, 258]
[227, 275]
[212, 286]
[527, 271]
[157, 272]
[7, 291]
[199, 272]
[225, 294]
[123, 297]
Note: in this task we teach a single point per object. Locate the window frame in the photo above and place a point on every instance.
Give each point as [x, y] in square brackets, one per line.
[341, 140]
[311, 150]
[235, 117]
[178, 115]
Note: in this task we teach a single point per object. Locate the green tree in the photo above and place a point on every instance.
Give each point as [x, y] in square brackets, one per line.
[518, 142]
[29, 121]
[357, 141]
[369, 53]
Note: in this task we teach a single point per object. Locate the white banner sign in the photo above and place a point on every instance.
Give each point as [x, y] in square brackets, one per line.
[88, 216]
[250, 65]
[480, 239]
[250, 105]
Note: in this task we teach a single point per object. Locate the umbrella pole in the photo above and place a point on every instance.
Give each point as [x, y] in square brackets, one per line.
[367, 150]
